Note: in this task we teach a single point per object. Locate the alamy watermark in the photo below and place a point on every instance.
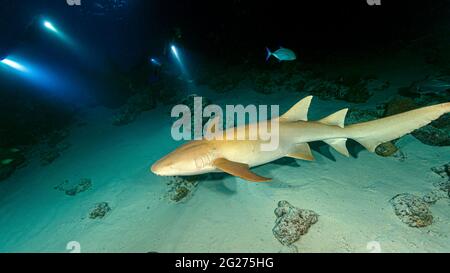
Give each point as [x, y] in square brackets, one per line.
[374, 2]
[73, 2]
[265, 129]
[73, 247]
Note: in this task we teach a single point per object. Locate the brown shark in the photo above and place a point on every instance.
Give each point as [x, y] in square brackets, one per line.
[236, 157]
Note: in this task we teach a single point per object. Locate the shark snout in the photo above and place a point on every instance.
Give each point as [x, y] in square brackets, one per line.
[154, 168]
[157, 168]
[162, 167]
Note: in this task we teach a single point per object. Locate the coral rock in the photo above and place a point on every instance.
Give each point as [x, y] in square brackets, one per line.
[72, 190]
[412, 210]
[100, 211]
[292, 222]
[181, 189]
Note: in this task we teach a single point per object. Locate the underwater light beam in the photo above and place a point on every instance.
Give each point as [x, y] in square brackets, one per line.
[175, 53]
[14, 64]
[50, 26]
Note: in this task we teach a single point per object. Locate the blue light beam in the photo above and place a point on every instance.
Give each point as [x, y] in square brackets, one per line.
[177, 56]
[175, 52]
[14, 64]
[50, 26]
[38, 75]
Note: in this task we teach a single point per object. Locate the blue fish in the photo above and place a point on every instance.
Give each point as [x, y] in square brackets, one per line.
[282, 54]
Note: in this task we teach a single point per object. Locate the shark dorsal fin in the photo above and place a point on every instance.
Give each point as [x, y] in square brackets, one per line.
[336, 119]
[238, 169]
[299, 111]
[301, 151]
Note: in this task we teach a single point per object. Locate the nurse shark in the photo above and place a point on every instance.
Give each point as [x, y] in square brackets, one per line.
[237, 156]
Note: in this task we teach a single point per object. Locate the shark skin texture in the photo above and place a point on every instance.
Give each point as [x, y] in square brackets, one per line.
[236, 157]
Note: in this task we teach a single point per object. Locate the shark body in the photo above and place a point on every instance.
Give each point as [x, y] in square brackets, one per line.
[236, 157]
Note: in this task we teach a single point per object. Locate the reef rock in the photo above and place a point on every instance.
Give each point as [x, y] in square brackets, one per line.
[72, 190]
[292, 223]
[181, 189]
[399, 105]
[358, 93]
[47, 157]
[433, 136]
[362, 115]
[10, 160]
[435, 195]
[443, 171]
[412, 210]
[431, 90]
[100, 211]
[444, 185]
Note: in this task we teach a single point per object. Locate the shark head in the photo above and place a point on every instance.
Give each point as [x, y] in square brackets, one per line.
[190, 159]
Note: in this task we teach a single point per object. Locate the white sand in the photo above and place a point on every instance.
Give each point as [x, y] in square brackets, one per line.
[350, 194]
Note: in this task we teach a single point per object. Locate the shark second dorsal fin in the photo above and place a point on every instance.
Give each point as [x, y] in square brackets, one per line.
[336, 119]
[238, 169]
[299, 111]
[301, 151]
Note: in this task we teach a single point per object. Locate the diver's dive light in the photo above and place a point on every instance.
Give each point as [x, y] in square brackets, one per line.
[48, 25]
[13, 64]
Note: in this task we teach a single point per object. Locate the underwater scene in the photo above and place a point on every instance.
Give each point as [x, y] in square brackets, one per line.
[177, 126]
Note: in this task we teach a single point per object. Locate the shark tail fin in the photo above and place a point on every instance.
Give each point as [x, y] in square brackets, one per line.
[373, 133]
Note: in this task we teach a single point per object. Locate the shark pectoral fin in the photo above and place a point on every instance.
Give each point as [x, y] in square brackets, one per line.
[339, 145]
[238, 169]
[301, 151]
[299, 111]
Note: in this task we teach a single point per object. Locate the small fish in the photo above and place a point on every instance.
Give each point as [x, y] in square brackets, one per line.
[282, 54]
[14, 150]
[7, 161]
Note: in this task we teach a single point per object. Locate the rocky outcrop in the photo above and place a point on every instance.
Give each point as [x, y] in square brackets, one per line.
[181, 189]
[74, 189]
[292, 223]
[100, 211]
[412, 210]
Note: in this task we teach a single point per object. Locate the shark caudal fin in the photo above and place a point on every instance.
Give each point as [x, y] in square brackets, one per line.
[373, 133]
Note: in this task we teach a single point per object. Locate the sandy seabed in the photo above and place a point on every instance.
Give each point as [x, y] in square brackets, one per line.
[351, 195]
